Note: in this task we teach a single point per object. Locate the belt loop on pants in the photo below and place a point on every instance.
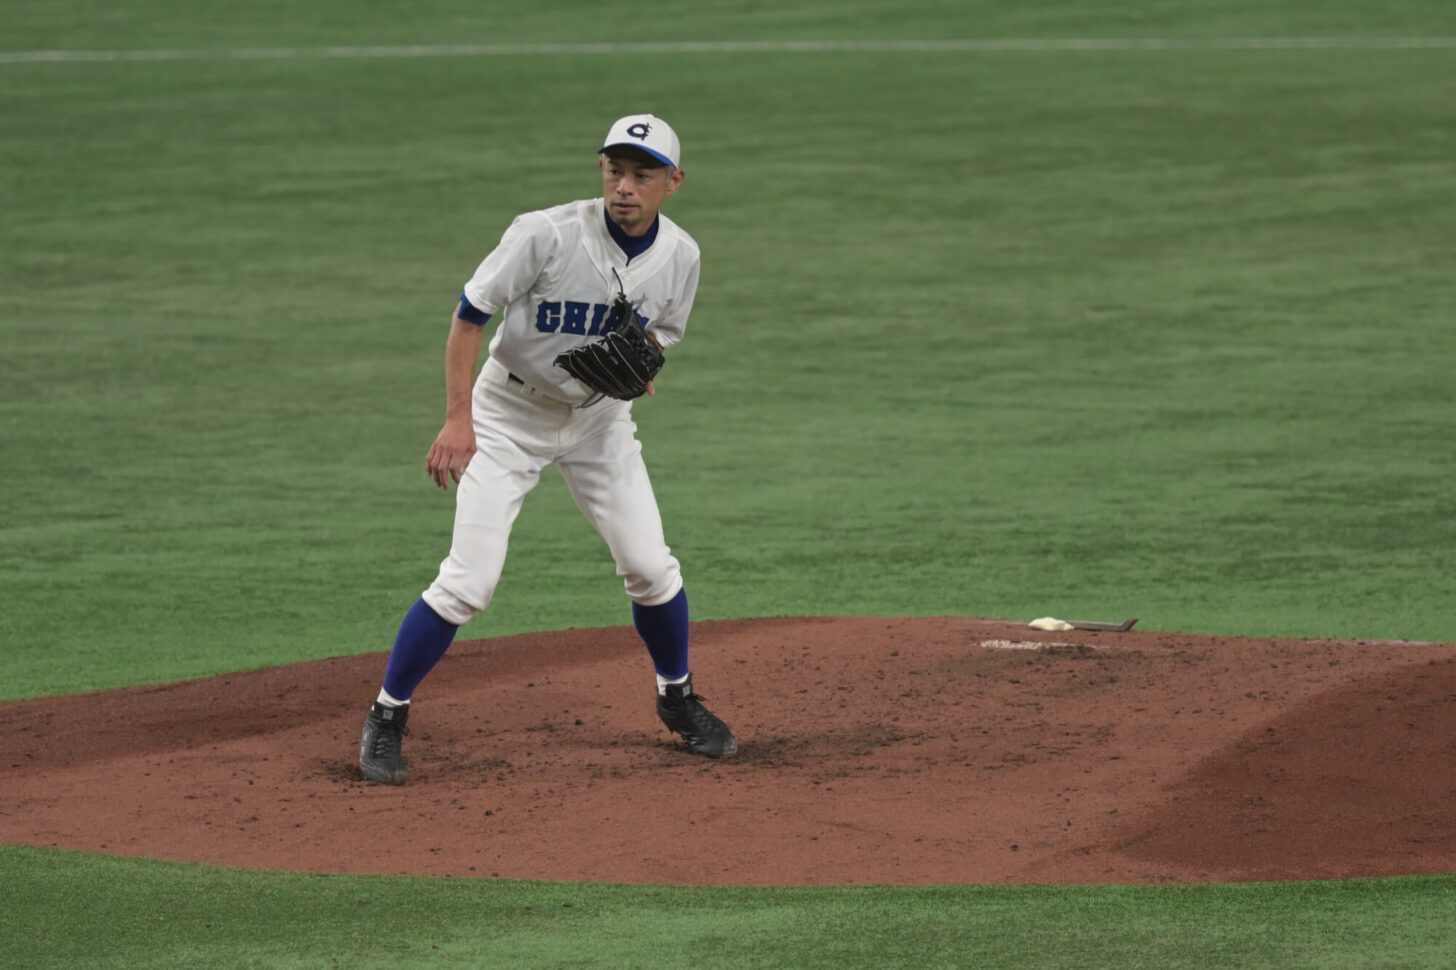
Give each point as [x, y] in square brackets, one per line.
[498, 374]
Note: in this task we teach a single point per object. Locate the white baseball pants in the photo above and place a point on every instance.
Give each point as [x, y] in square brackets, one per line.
[518, 432]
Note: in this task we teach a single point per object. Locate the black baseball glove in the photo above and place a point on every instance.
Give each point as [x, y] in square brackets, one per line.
[622, 362]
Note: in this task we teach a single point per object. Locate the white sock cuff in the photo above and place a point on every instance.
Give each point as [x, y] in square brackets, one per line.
[663, 682]
[388, 701]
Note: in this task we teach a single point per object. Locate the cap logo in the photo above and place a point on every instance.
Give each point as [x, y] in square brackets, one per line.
[640, 130]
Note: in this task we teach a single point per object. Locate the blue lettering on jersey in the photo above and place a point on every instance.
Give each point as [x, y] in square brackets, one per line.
[571, 318]
[598, 311]
[575, 319]
[548, 317]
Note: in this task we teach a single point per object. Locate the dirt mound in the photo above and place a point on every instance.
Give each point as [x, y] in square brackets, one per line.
[893, 751]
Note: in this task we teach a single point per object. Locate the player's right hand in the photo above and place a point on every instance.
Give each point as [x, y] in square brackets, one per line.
[450, 454]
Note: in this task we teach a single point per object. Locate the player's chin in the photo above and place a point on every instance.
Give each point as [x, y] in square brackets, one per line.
[625, 214]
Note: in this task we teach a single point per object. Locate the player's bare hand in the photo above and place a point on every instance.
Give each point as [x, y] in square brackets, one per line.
[651, 389]
[453, 448]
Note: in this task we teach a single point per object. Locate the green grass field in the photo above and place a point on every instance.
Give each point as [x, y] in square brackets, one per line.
[1153, 332]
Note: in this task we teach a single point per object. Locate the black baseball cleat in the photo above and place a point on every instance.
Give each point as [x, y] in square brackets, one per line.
[380, 758]
[683, 713]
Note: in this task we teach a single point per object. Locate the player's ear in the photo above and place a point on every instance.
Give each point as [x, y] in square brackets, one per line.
[674, 180]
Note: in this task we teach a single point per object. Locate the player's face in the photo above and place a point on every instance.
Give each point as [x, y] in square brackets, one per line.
[634, 192]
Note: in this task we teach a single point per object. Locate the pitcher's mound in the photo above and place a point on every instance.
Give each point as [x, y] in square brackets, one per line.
[892, 751]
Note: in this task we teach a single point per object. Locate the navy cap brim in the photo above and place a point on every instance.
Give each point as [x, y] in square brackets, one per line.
[641, 148]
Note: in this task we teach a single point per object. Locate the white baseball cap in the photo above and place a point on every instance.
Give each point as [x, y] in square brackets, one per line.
[649, 133]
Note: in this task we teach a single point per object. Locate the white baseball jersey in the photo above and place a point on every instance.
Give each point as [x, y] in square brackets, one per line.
[556, 272]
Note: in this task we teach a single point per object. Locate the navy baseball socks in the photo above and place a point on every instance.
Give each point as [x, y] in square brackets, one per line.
[422, 640]
[664, 629]
[424, 637]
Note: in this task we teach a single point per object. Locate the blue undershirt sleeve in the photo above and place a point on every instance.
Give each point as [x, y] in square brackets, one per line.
[470, 313]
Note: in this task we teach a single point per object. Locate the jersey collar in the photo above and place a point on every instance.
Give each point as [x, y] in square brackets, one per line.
[632, 246]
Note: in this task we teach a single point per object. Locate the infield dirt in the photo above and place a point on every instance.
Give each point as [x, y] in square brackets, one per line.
[889, 751]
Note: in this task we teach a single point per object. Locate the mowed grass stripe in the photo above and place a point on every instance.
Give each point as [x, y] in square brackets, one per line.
[989, 46]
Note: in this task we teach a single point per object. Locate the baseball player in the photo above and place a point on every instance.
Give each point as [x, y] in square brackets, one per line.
[585, 295]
